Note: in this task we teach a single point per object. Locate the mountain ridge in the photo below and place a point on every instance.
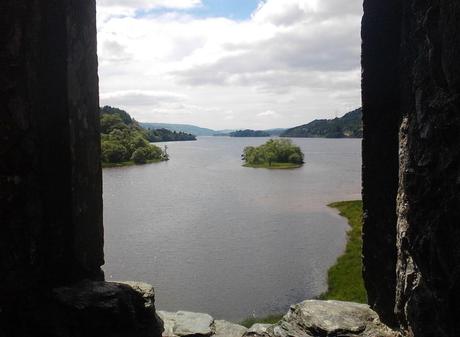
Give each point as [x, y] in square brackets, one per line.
[348, 126]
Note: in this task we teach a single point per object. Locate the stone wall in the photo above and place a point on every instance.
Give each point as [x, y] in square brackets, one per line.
[51, 234]
[50, 177]
[381, 115]
[427, 222]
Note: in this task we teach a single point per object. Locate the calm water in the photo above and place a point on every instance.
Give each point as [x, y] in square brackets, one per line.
[213, 236]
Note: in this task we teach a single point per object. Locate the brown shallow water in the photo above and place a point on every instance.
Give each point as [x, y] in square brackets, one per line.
[213, 236]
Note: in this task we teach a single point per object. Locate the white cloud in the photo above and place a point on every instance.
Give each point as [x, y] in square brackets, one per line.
[299, 58]
[268, 113]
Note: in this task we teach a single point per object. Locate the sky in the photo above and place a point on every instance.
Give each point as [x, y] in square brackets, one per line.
[230, 64]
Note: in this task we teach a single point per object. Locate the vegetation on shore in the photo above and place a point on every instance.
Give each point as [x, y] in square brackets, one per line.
[275, 166]
[271, 319]
[164, 135]
[274, 154]
[124, 142]
[345, 281]
[348, 126]
[249, 133]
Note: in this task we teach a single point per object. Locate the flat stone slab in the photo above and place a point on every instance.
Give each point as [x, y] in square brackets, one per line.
[257, 330]
[310, 318]
[330, 318]
[169, 319]
[228, 329]
[185, 323]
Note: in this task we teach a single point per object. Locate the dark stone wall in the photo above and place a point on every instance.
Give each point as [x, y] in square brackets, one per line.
[50, 177]
[381, 115]
[428, 282]
[423, 102]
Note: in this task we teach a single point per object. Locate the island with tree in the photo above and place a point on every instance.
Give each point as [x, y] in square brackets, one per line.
[124, 141]
[274, 154]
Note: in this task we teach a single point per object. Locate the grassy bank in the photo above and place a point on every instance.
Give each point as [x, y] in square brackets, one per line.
[345, 280]
[275, 166]
[271, 319]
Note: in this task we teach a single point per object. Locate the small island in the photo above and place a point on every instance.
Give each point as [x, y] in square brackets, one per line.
[249, 133]
[274, 154]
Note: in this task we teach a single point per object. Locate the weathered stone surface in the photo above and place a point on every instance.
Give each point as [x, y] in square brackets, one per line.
[428, 269]
[258, 330]
[88, 308]
[410, 57]
[381, 32]
[50, 177]
[185, 323]
[227, 329]
[330, 318]
[169, 320]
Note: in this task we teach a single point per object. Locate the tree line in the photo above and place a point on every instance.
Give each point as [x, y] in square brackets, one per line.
[123, 140]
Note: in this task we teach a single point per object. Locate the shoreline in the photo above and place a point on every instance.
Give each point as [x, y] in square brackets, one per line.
[344, 277]
[130, 163]
[275, 166]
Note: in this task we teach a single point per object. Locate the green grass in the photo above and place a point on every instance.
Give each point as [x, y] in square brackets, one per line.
[275, 166]
[271, 319]
[345, 281]
[129, 163]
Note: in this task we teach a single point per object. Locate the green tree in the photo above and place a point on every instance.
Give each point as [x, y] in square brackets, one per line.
[113, 152]
[273, 151]
[110, 122]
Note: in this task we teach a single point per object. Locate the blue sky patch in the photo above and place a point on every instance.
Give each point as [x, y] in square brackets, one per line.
[231, 9]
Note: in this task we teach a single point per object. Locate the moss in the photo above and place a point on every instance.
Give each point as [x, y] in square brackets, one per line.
[345, 281]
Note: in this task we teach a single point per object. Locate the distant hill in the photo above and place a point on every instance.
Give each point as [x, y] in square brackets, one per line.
[348, 126]
[275, 132]
[241, 133]
[249, 133]
[195, 130]
[199, 131]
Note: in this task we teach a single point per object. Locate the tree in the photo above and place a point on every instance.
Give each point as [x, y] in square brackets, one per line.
[140, 156]
[273, 151]
[113, 152]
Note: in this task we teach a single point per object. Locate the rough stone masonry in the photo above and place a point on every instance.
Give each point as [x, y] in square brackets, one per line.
[411, 163]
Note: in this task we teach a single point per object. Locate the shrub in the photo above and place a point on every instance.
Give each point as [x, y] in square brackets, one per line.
[113, 152]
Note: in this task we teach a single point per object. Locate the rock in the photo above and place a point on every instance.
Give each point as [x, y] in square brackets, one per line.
[146, 290]
[258, 330]
[228, 329]
[192, 324]
[102, 309]
[183, 323]
[329, 318]
[169, 319]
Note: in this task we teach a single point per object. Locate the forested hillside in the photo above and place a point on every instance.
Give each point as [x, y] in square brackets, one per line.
[348, 126]
[249, 133]
[123, 141]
